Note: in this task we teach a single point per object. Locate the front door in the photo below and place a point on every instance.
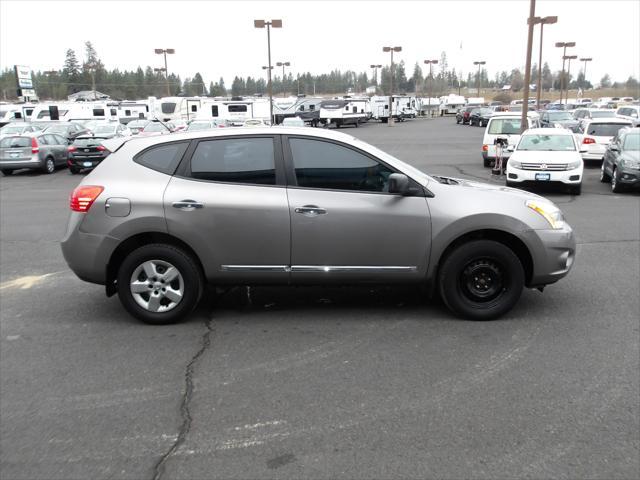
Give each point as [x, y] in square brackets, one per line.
[228, 203]
[345, 226]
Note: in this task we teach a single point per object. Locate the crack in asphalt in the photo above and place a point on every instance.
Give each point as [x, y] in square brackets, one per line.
[185, 411]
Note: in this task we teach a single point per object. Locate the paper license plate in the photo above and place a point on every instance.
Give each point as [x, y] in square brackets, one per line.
[545, 177]
[87, 164]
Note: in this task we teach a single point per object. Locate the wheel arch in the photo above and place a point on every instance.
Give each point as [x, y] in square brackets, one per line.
[138, 240]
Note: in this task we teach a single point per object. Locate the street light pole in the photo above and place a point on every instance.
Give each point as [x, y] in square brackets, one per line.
[568, 58]
[584, 73]
[542, 21]
[564, 46]
[391, 49]
[524, 124]
[274, 24]
[431, 63]
[283, 64]
[479, 64]
[165, 51]
[375, 73]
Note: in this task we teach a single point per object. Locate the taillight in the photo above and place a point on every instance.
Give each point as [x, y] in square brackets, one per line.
[588, 140]
[100, 148]
[485, 148]
[34, 145]
[83, 197]
[72, 148]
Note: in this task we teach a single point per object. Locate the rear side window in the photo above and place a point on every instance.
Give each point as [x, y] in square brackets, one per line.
[501, 126]
[162, 158]
[605, 129]
[15, 142]
[236, 160]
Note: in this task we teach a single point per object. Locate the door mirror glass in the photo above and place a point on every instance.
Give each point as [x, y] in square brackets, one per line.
[398, 183]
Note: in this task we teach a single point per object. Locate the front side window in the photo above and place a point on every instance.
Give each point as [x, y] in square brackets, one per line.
[632, 142]
[162, 158]
[235, 160]
[320, 164]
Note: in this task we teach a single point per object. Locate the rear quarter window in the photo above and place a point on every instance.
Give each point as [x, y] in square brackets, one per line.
[162, 158]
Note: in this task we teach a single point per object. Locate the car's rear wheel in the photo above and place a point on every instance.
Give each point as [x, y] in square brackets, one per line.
[481, 280]
[7, 171]
[604, 176]
[49, 165]
[159, 284]
[486, 162]
[74, 170]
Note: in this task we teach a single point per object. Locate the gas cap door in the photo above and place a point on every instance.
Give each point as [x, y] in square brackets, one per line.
[117, 207]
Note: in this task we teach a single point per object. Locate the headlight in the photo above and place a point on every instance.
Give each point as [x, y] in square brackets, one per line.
[573, 165]
[550, 212]
[630, 164]
[514, 163]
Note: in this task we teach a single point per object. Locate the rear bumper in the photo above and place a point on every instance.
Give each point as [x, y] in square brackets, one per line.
[17, 164]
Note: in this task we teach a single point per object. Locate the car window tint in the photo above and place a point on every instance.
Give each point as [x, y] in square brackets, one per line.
[236, 160]
[500, 126]
[632, 142]
[15, 142]
[162, 158]
[605, 129]
[327, 165]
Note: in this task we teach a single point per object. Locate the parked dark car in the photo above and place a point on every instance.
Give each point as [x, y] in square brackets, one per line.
[480, 116]
[35, 151]
[85, 153]
[463, 115]
[559, 118]
[621, 163]
[69, 130]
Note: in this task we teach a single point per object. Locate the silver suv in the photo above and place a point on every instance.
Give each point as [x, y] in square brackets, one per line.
[163, 215]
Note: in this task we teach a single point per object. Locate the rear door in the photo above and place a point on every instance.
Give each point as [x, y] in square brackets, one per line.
[15, 149]
[228, 201]
[345, 226]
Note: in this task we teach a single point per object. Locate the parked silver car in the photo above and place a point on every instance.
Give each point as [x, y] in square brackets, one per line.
[36, 151]
[163, 215]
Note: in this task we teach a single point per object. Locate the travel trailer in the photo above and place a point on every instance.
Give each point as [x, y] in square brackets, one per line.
[403, 107]
[177, 108]
[71, 111]
[235, 111]
[450, 104]
[343, 111]
[306, 108]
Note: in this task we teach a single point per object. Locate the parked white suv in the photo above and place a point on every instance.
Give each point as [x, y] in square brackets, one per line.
[629, 112]
[504, 124]
[546, 155]
[596, 135]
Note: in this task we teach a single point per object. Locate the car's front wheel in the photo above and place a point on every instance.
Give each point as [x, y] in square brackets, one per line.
[615, 184]
[604, 176]
[7, 171]
[159, 284]
[481, 280]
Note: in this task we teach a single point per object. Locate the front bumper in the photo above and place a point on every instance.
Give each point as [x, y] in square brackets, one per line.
[569, 177]
[553, 253]
[629, 177]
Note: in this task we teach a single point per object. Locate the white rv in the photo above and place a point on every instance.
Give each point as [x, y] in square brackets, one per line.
[450, 104]
[343, 111]
[177, 108]
[72, 111]
[132, 110]
[306, 108]
[15, 112]
[236, 112]
[428, 105]
[403, 107]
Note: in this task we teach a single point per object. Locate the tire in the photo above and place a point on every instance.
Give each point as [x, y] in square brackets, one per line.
[49, 166]
[186, 286]
[615, 184]
[500, 278]
[74, 170]
[7, 171]
[486, 162]
[576, 189]
[604, 176]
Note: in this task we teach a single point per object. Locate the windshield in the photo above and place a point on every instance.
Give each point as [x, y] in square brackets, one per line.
[9, 129]
[605, 129]
[547, 143]
[155, 127]
[560, 116]
[603, 114]
[104, 129]
[15, 142]
[505, 126]
[632, 142]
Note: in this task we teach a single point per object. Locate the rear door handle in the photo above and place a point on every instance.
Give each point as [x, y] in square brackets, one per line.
[187, 205]
[310, 210]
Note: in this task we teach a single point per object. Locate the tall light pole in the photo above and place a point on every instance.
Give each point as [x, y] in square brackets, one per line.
[568, 58]
[165, 52]
[283, 64]
[542, 21]
[479, 64]
[584, 72]
[274, 24]
[391, 49]
[524, 123]
[375, 73]
[431, 63]
[564, 46]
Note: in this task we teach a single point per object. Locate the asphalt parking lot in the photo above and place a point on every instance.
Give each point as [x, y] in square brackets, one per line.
[323, 382]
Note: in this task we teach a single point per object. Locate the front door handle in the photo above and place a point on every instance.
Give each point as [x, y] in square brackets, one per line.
[187, 205]
[310, 210]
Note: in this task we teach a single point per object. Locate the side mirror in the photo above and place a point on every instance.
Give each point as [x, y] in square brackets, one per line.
[614, 148]
[398, 183]
[511, 148]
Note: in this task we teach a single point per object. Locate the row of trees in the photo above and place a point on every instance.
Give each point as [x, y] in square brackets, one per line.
[90, 73]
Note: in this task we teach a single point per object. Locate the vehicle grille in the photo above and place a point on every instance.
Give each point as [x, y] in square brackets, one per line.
[549, 167]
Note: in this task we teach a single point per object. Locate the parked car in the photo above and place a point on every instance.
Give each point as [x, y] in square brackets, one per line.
[559, 119]
[627, 112]
[85, 153]
[505, 125]
[480, 116]
[256, 122]
[69, 130]
[35, 151]
[234, 208]
[16, 128]
[583, 114]
[546, 155]
[463, 115]
[198, 125]
[136, 126]
[179, 125]
[111, 130]
[596, 135]
[293, 122]
[156, 128]
[621, 163]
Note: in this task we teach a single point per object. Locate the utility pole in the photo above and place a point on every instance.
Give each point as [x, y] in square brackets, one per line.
[524, 124]
[479, 64]
[568, 58]
[584, 74]
[391, 49]
[283, 64]
[564, 46]
[431, 63]
[542, 21]
[165, 51]
[274, 24]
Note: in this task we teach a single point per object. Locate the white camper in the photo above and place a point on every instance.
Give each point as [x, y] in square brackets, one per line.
[76, 111]
[177, 108]
[450, 104]
[343, 111]
[132, 110]
[403, 107]
[236, 112]
[306, 108]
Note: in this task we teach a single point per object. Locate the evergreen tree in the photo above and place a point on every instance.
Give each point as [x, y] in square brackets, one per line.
[605, 82]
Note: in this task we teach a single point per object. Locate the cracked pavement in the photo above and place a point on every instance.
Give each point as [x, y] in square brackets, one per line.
[322, 382]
